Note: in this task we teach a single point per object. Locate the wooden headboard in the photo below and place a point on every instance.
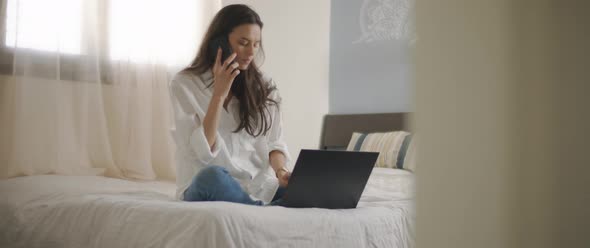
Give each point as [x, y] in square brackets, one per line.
[337, 129]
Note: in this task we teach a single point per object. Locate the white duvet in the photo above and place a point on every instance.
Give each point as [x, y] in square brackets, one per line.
[90, 211]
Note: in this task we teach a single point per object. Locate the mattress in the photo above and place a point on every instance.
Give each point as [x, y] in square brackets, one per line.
[93, 211]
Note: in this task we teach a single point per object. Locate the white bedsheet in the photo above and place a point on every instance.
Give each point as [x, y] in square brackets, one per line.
[87, 211]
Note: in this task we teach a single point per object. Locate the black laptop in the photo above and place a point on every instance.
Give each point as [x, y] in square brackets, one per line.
[328, 179]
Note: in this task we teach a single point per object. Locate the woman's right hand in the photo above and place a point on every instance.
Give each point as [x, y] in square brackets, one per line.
[224, 74]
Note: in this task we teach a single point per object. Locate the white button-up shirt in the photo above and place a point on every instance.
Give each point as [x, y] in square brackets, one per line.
[245, 157]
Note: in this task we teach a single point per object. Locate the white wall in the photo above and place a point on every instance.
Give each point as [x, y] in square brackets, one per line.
[296, 38]
[502, 111]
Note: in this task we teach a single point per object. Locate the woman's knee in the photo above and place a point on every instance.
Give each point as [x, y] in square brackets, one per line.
[212, 173]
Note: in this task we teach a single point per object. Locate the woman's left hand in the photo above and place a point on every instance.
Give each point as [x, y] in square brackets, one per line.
[283, 177]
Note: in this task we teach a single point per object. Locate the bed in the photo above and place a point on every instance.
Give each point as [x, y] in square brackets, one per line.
[94, 211]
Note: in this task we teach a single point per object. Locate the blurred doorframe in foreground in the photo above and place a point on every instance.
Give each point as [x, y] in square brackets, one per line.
[502, 99]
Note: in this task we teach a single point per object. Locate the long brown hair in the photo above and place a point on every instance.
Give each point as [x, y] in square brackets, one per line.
[252, 92]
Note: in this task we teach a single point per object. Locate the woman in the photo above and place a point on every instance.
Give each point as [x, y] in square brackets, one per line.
[228, 122]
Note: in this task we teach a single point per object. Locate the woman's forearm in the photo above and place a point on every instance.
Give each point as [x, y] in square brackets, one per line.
[211, 120]
[277, 160]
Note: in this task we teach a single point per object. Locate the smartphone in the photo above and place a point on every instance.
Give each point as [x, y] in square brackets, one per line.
[222, 42]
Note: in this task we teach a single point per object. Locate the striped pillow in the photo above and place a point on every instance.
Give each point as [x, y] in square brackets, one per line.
[410, 158]
[392, 147]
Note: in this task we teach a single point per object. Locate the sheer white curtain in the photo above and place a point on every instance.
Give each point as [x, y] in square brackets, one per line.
[83, 84]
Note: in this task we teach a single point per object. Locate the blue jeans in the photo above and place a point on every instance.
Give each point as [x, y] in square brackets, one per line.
[214, 183]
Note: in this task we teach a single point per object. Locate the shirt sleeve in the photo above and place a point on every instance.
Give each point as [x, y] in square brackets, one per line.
[188, 116]
[275, 139]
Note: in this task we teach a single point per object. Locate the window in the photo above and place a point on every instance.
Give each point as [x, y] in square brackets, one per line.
[39, 29]
[140, 31]
[164, 30]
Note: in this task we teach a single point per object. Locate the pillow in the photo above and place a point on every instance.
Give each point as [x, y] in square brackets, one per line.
[392, 147]
[410, 158]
